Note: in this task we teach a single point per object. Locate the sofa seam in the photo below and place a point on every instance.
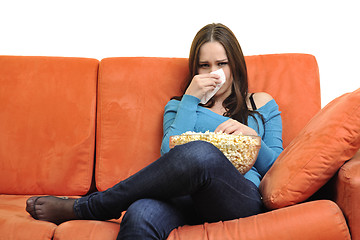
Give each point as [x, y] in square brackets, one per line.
[98, 125]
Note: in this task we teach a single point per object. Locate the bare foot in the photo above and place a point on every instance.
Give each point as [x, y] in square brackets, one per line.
[51, 209]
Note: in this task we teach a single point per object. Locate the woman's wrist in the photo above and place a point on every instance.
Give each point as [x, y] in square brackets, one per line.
[191, 98]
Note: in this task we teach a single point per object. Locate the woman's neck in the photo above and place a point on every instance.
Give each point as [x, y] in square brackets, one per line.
[218, 107]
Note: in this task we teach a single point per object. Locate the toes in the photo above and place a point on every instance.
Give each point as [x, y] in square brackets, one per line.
[30, 201]
[30, 206]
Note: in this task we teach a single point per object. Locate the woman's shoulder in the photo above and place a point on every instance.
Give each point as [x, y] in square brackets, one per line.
[172, 104]
[260, 99]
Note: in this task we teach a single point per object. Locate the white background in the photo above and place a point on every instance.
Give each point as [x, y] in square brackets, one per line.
[329, 30]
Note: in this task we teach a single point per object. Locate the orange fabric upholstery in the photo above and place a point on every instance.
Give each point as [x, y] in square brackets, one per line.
[132, 95]
[293, 81]
[295, 223]
[315, 155]
[348, 194]
[87, 230]
[47, 124]
[15, 223]
[134, 91]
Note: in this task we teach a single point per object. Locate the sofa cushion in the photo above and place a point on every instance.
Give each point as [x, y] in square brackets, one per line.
[311, 221]
[134, 91]
[293, 81]
[314, 156]
[132, 95]
[16, 223]
[87, 230]
[47, 124]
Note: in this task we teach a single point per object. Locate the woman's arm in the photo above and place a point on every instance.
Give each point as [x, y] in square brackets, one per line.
[179, 118]
[271, 143]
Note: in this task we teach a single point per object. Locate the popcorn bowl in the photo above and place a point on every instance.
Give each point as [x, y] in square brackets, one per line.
[241, 150]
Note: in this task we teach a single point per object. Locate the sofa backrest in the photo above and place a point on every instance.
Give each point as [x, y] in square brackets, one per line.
[293, 81]
[47, 124]
[132, 93]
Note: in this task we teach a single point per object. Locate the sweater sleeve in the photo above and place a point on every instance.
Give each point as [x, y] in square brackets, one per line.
[179, 117]
[271, 143]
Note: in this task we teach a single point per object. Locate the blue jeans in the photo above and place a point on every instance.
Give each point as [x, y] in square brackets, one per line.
[191, 184]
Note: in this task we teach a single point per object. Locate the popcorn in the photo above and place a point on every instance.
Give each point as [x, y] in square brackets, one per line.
[241, 150]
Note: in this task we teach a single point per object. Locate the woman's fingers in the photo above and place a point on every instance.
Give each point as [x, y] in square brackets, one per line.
[232, 126]
[202, 84]
[228, 127]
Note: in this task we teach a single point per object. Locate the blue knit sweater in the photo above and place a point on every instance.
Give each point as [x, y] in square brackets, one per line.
[187, 115]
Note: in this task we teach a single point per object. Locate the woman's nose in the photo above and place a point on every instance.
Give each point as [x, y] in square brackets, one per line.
[214, 68]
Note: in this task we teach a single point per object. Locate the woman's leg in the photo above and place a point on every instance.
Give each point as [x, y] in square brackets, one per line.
[179, 172]
[198, 169]
[228, 198]
[150, 219]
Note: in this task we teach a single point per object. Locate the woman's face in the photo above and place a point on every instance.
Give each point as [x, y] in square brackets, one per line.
[212, 56]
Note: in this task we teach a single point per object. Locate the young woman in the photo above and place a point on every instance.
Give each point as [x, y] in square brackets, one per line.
[205, 187]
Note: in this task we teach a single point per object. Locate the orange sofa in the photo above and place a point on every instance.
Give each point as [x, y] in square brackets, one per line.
[70, 126]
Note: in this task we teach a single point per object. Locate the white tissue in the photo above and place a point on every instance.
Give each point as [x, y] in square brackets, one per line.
[209, 95]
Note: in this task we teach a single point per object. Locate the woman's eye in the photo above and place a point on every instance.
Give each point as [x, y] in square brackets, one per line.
[223, 63]
[204, 65]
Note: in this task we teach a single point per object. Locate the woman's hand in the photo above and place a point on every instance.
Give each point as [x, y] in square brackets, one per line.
[202, 84]
[232, 126]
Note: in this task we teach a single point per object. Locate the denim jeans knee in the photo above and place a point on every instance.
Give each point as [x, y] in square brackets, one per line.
[150, 219]
[200, 153]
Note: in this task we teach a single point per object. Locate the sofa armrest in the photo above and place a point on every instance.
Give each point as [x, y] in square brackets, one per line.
[347, 194]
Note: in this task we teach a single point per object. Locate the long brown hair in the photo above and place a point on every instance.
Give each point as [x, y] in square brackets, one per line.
[235, 104]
